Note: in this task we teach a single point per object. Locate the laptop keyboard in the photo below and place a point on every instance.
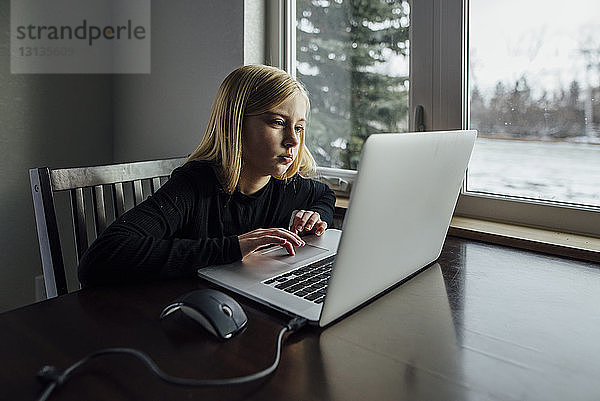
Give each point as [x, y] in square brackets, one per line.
[308, 282]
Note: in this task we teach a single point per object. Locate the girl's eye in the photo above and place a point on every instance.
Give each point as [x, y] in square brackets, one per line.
[299, 129]
[278, 122]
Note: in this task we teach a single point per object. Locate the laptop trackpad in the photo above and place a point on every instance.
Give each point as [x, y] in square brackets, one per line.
[302, 253]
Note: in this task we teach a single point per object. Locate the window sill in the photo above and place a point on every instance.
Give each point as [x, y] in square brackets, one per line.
[534, 239]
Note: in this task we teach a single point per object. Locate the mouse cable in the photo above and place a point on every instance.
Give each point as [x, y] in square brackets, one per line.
[56, 378]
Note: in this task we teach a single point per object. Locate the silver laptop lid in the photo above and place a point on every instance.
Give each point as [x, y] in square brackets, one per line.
[408, 185]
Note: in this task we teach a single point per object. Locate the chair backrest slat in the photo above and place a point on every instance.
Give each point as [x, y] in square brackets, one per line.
[118, 199]
[99, 210]
[155, 184]
[79, 221]
[45, 182]
[138, 195]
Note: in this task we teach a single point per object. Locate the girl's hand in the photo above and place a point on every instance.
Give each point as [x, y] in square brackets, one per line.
[305, 221]
[253, 240]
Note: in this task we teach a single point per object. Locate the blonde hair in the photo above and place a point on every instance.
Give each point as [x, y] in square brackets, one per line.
[247, 91]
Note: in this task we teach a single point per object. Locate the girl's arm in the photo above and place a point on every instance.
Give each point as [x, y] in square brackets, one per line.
[141, 244]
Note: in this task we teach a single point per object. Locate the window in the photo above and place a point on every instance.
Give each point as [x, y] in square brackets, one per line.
[338, 44]
[558, 193]
[535, 99]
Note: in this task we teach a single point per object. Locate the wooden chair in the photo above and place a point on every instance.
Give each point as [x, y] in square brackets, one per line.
[113, 188]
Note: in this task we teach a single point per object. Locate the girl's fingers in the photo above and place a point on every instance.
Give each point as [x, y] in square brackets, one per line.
[259, 238]
[274, 240]
[305, 220]
[292, 237]
[314, 219]
[300, 220]
[320, 228]
[274, 232]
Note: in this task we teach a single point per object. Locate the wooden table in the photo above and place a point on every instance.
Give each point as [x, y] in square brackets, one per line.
[484, 323]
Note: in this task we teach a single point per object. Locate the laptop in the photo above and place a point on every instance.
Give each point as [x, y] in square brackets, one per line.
[398, 216]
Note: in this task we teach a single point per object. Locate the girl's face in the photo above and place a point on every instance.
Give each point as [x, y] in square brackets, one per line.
[270, 141]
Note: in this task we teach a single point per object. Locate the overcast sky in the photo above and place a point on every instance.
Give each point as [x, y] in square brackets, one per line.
[539, 37]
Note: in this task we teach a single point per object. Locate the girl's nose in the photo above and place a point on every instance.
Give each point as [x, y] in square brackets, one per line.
[292, 138]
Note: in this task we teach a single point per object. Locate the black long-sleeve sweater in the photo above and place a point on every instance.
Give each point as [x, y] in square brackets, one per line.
[190, 222]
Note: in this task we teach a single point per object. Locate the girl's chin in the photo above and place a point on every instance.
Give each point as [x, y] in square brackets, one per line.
[280, 170]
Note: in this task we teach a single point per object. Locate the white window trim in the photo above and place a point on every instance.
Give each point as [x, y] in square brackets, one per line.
[438, 36]
[281, 35]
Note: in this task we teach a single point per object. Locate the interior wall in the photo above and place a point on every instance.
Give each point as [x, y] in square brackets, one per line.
[55, 120]
[195, 44]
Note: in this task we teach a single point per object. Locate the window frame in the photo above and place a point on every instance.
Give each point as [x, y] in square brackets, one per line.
[439, 52]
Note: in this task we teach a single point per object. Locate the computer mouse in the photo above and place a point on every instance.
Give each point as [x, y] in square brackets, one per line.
[217, 312]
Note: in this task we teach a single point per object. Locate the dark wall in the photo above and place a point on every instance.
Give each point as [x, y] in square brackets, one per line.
[195, 44]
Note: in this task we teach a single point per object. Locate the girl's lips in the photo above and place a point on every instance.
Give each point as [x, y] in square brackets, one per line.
[287, 158]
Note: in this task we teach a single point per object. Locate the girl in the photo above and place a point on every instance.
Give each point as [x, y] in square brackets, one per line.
[242, 188]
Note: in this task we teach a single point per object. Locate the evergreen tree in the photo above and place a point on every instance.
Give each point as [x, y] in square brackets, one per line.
[479, 113]
[518, 107]
[571, 113]
[497, 114]
[342, 46]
